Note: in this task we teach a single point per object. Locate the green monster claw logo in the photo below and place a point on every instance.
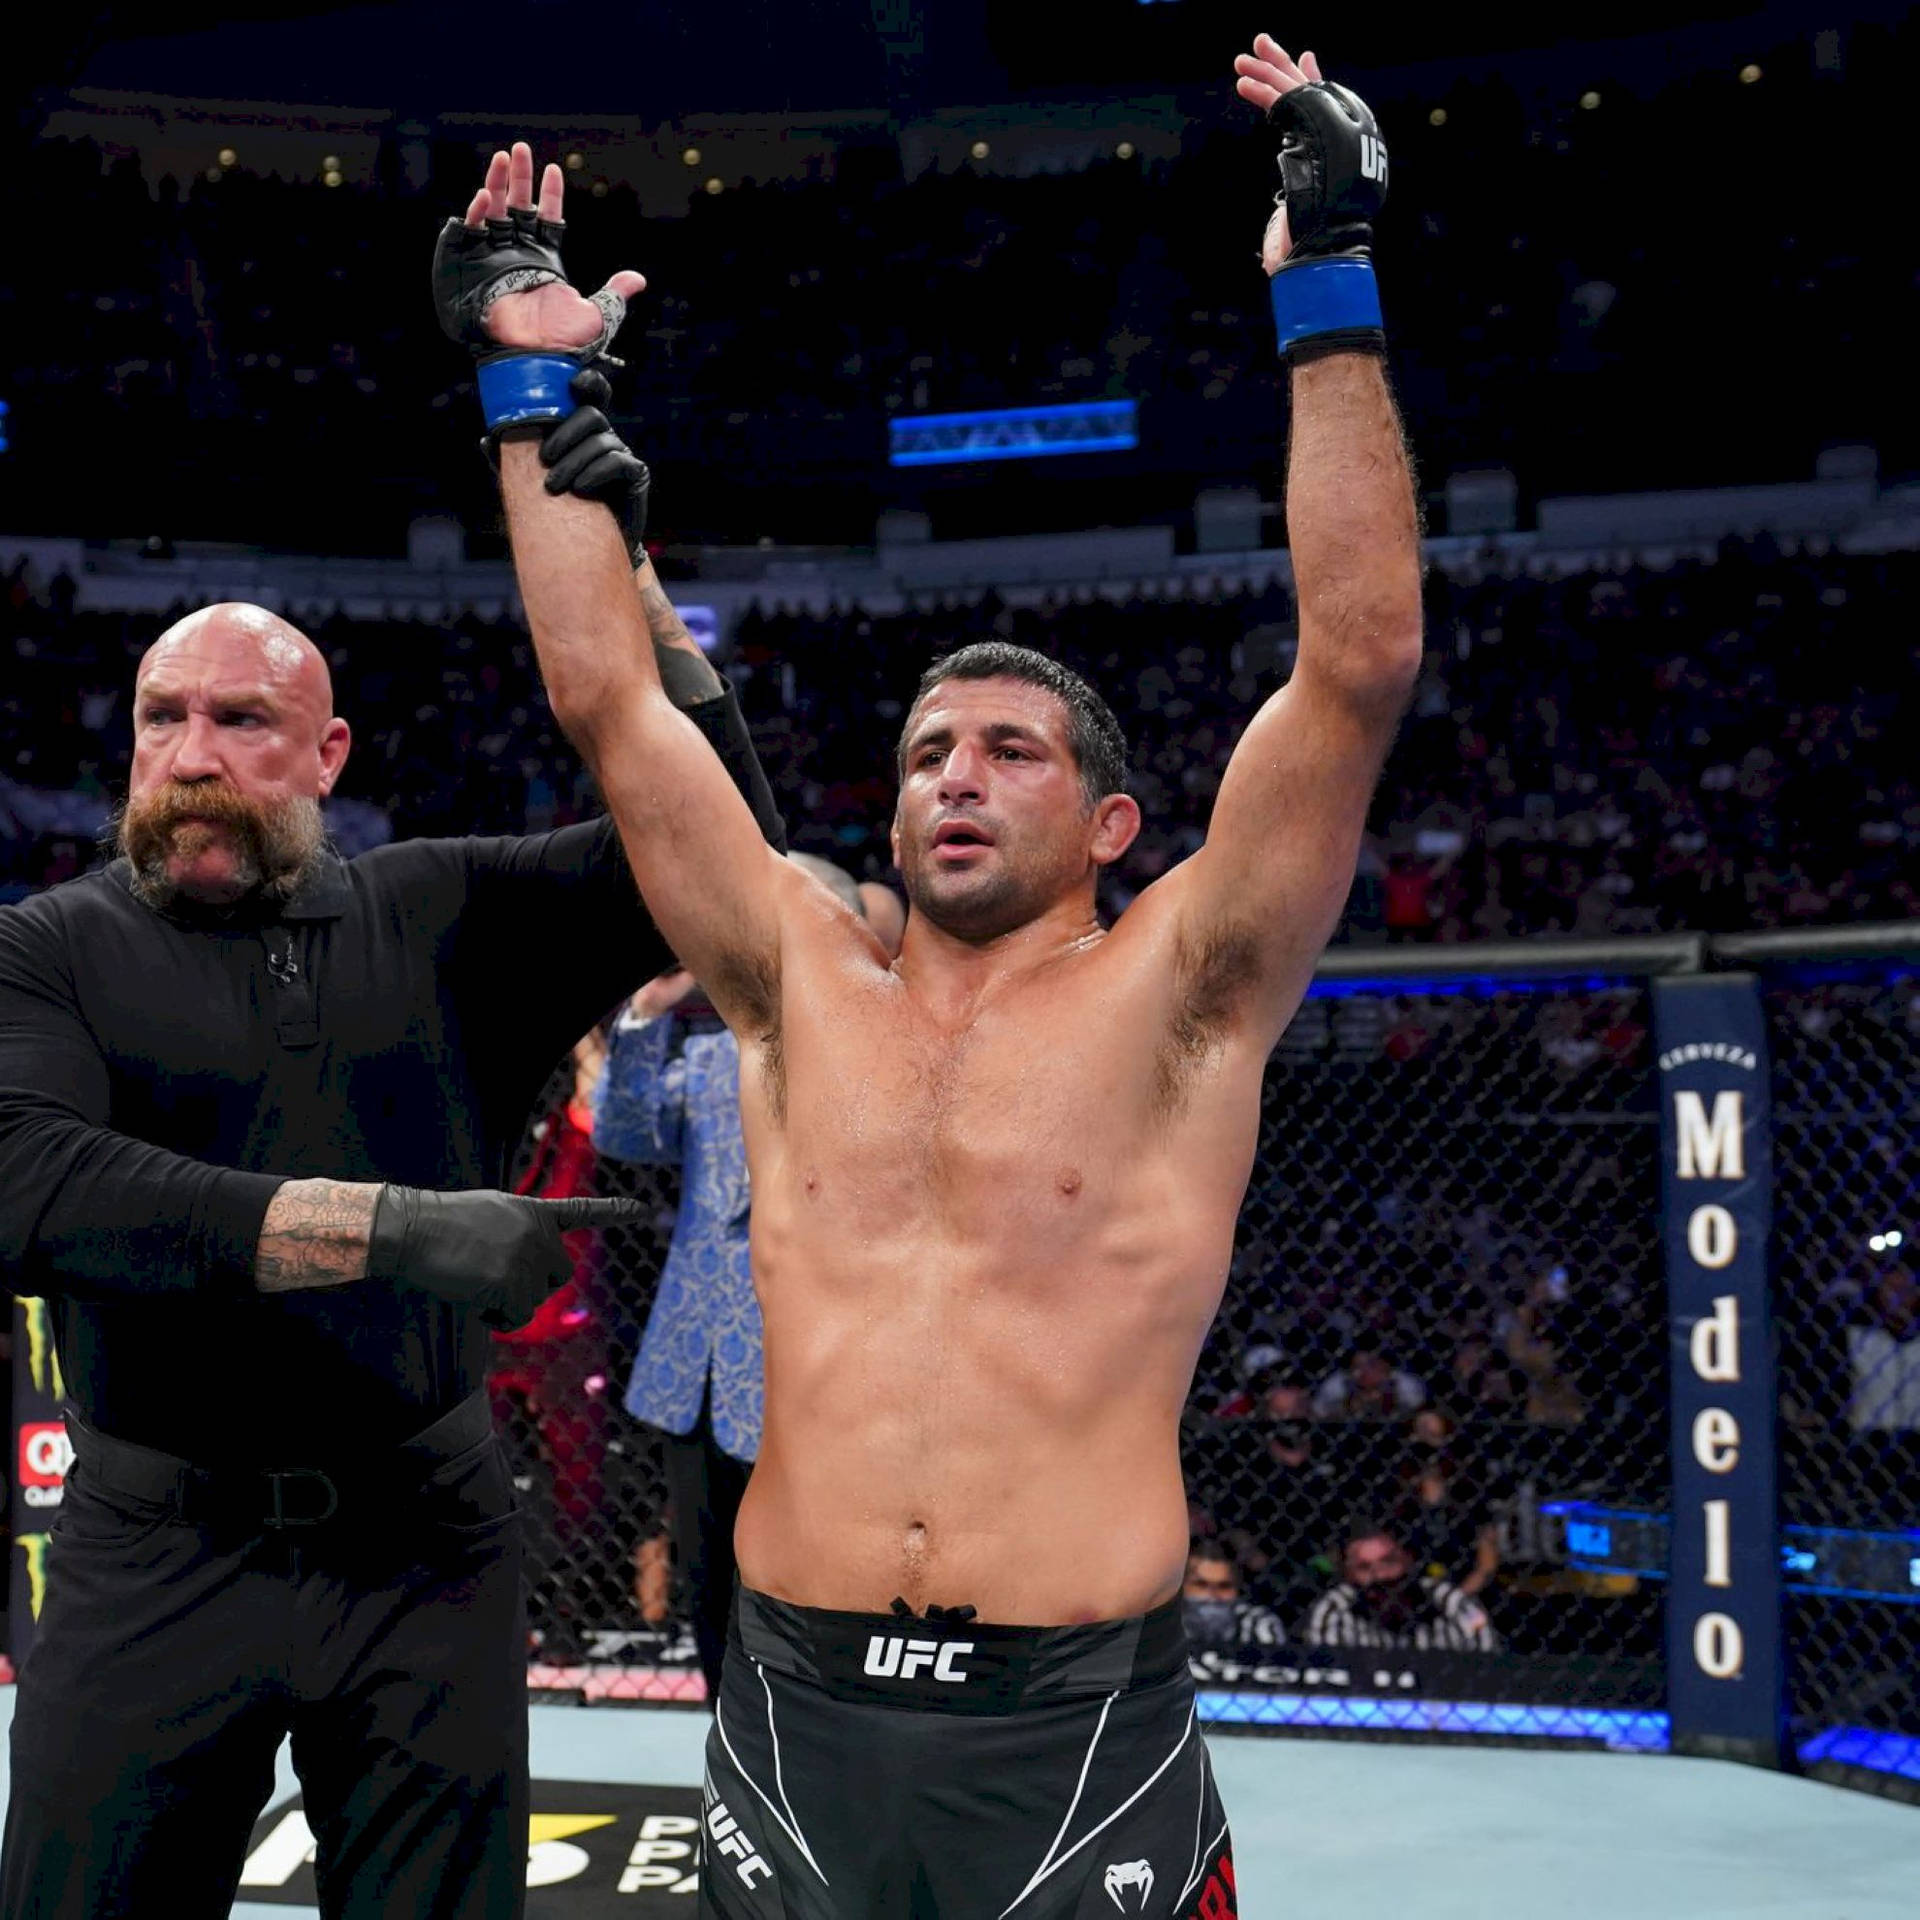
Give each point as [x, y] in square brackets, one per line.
[34, 1546]
[43, 1361]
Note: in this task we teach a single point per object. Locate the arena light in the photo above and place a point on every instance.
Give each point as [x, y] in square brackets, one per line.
[332, 177]
[1895, 1237]
[576, 160]
[1589, 100]
[1749, 74]
[979, 149]
[228, 157]
[330, 164]
[689, 156]
[599, 189]
[214, 174]
[1012, 433]
[1619, 1729]
[1438, 117]
[1895, 1753]
[1124, 151]
[1878, 1243]
[715, 184]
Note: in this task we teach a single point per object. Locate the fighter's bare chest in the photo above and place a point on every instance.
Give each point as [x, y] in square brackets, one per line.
[1045, 1095]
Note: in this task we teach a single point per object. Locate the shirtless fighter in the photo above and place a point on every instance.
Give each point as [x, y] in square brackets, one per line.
[995, 1184]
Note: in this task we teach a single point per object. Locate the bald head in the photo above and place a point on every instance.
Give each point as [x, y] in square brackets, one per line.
[245, 641]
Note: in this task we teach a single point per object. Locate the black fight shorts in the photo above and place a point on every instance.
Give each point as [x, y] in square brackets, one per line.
[865, 1767]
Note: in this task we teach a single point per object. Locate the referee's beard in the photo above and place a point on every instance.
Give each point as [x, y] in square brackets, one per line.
[166, 834]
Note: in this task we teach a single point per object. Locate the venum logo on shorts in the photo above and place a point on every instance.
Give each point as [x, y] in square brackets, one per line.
[1129, 1876]
[888, 1657]
[723, 1831]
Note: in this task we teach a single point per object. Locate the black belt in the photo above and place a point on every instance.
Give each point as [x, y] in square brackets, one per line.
[280, 1498]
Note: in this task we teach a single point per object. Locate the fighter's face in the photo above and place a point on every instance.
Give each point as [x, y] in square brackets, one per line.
[993, 826]
[234, 745]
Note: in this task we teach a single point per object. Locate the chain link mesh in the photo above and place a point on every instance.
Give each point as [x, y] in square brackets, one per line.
[1445, 1327]
[1445, 1322]
[1846, 1065]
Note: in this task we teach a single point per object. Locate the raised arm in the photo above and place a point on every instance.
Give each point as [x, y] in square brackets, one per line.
[710, 880]
[1280, 853]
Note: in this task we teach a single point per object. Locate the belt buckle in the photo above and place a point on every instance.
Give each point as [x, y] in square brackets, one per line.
[277, 1515]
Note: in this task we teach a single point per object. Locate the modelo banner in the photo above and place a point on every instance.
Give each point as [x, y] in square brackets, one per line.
[1723, 1623]
[40, 1457]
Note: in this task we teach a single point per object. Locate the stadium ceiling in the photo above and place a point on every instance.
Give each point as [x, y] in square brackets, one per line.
[658, 60]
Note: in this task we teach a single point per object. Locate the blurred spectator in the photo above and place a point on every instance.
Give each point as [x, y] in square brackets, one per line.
[1258, 1368]
[1368, 1387]
[1538, 1334]
[1219, 1618]
[1295, 1506]
[1441, 1513]
[1482, 1381]
[552, 1374]
[1883, 1354]
[1383, 1600]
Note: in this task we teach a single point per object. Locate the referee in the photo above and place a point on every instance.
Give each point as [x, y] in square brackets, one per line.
[287, 1512]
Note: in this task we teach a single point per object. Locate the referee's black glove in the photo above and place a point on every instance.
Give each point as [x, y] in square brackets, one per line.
[583, 455]
[498, 1253]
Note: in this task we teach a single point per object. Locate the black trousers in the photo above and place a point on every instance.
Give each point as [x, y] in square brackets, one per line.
[706, 1484]
[181, 1641]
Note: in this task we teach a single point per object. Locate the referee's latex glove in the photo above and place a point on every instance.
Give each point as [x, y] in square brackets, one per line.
[499, 1254]
[584, 455]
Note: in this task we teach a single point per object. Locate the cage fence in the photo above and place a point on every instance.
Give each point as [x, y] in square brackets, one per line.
[1845, 1043]
[1443, 1327]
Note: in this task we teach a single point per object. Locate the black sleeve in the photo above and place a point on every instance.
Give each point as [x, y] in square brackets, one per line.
[726, 729]
[85, 1211]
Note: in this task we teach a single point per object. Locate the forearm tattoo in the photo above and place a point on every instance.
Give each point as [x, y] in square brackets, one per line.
[670, 634]
[666, 626]
[315, 1235]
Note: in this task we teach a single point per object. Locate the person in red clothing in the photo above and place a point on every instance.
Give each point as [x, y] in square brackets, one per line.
[548, 1380]
[1409, 898]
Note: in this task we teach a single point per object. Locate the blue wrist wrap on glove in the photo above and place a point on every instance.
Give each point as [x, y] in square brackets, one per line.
[519, 387]
[1324, 296]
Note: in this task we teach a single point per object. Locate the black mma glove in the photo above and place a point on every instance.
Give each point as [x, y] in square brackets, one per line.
[1333, 174]
[498, 1253]
[584, 455]
[475, 266]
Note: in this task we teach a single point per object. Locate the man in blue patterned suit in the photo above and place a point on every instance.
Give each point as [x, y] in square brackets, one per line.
[674, 1100]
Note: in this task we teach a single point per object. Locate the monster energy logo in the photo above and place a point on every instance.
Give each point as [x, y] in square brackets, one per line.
[34, 1546]
[43, 1359]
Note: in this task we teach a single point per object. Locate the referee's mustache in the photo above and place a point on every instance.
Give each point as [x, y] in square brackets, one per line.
[275, 841]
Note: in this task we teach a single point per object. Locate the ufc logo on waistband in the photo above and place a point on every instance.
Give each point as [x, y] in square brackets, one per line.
[909, 1658]
[1373, 157]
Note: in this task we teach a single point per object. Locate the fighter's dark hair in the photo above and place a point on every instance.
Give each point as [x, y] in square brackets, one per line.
[1099, 746]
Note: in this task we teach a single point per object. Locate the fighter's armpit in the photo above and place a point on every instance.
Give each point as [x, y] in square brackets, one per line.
[1217, 968]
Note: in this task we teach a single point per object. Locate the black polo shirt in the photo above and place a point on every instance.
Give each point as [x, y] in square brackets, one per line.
[161, 1075]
